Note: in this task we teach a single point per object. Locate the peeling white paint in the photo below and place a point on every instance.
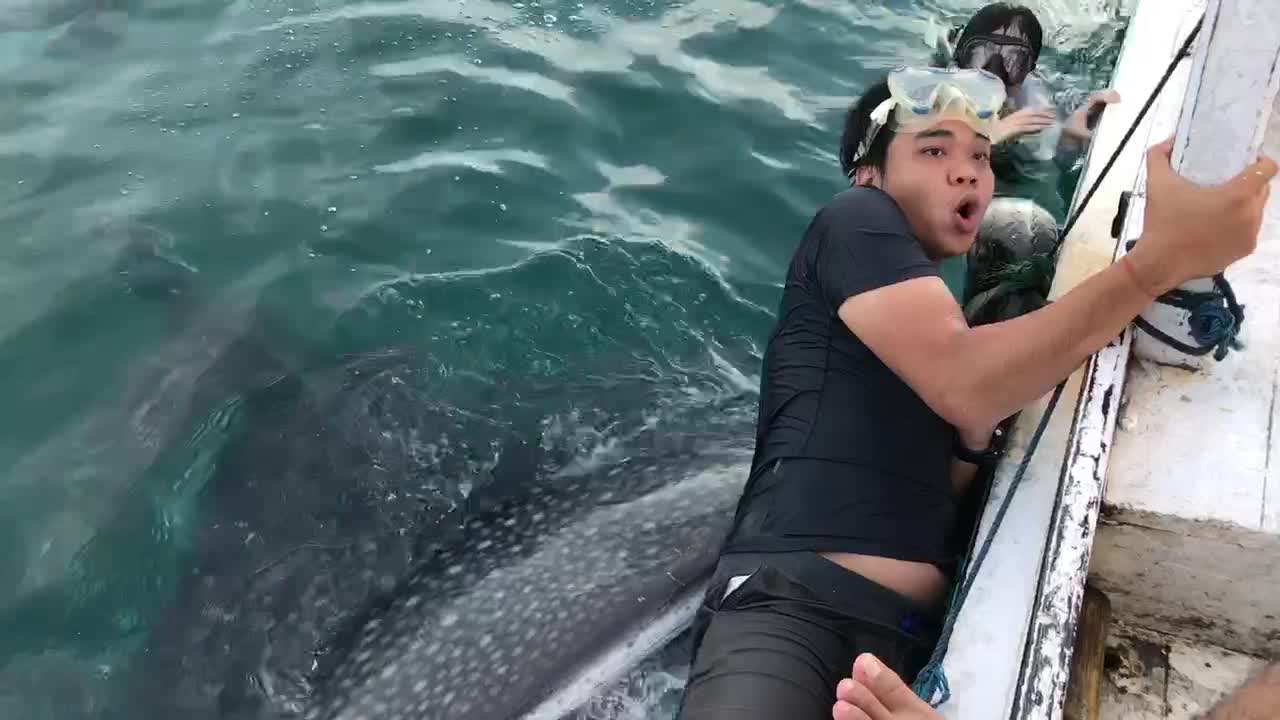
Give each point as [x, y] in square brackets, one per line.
[1192, 543]
[1054, 513]
[1271, 486]
[1045, 667]
[1043, 685]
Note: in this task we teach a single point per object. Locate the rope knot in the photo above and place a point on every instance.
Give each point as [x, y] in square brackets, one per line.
[1214, 320]
[932, 683]
[1213, 324]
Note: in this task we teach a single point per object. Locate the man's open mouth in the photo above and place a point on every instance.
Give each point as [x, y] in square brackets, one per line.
[967, 209]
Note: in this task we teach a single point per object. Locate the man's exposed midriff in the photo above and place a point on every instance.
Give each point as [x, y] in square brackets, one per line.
[922, 582]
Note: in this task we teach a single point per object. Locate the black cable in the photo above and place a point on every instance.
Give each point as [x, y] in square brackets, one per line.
[1168, 73]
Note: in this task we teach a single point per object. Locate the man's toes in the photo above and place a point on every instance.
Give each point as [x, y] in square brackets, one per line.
[887, 687]
[846, 711]
[844, 690]
[861, 698]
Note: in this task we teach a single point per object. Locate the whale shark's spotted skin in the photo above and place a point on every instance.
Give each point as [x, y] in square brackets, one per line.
[338, 514]
[537, 595]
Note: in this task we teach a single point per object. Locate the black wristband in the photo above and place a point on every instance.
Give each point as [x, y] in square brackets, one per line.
[978, 457]
[989, 456]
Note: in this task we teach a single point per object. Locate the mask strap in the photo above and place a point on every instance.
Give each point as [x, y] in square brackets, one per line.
[878, 119]
[881, 114]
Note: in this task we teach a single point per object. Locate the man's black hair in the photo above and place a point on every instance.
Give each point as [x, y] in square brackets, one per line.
[856, 124]
[998, 16]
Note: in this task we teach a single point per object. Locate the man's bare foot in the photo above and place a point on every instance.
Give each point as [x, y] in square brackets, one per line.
[877, 693]
[1259, 699]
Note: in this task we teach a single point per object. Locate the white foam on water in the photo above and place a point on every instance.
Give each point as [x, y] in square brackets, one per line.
[518, 79]
[631, 175]
[740, 380]
[771, 162]
[489, 161]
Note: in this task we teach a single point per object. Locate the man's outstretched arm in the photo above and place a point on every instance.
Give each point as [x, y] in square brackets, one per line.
[976, 377]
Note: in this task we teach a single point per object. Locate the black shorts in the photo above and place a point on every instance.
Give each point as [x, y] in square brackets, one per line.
[775, 645]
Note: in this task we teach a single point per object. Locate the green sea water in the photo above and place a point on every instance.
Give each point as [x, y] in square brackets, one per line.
[573, 217]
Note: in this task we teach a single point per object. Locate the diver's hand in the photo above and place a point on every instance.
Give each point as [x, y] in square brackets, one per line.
[1024, 122]
[1077, 126]
[1191, 231]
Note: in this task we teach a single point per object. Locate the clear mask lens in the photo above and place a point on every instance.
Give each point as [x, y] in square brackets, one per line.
[922, 97]
[1013, 56]
[926, 91]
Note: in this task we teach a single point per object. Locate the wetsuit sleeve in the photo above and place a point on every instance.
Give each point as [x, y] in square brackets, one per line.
[867, 244]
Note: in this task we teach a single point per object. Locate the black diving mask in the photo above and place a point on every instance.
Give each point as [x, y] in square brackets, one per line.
[1008, 57]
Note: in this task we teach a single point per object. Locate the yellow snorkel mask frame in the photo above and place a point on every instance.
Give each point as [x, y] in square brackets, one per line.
[920, 98]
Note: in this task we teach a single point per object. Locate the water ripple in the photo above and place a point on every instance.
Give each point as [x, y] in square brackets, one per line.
[488, 161]
[532, 82]
[557, 223]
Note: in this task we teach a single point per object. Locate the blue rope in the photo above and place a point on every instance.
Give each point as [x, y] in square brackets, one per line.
[1215, 320]
[1212, 323]
[932, 680]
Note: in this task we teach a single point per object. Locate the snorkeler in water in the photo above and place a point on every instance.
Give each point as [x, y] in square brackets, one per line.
[1006, 40]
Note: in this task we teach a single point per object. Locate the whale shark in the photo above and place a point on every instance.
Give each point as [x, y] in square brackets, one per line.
[67, 473]
[398, 464]
[357, 504]
[546, 600]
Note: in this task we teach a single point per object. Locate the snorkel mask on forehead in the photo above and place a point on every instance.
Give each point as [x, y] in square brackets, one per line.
[920, 98]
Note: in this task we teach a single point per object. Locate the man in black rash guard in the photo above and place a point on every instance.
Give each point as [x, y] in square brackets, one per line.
[877, 399]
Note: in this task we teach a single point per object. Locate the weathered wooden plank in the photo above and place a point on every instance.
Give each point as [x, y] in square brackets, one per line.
[1203, 582]
[1088, 658]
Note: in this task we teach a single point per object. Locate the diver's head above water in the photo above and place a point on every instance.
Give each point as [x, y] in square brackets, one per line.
[922, 135]
[1003, 39]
